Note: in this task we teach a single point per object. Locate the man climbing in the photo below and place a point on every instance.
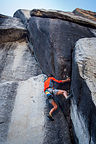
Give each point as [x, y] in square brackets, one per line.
[50, 91]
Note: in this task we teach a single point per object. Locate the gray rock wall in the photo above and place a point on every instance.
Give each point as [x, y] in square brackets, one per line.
[53, 41]
[23, 106]
[83, 103]
[27, 120]
[11, 29]
[17, 62]
[23, 115]
[43, 42]
[23, 14]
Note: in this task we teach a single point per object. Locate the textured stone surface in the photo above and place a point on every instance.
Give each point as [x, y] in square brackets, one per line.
[3, 16]
[11, 29]
[17, 62]
[83, 104]
[23, 115]
[7, 98]
[86, 57]
[29, 123]
[23, 106]
[28, 118]
[69, 16]
[85, 13]
[53, 41]
[93, 31]
[23, 14]
[48, 45]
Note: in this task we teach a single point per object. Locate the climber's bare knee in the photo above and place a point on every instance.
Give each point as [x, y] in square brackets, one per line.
[60, 92]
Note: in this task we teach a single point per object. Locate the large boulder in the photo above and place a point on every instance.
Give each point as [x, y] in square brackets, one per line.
[53, 41]
[17, 64]
[23, 104]
[45, 42]
[11, 29]
[3, 16]
[23, 14]
[24, 115]
[69, 16]
[85, 13]
[83, 103]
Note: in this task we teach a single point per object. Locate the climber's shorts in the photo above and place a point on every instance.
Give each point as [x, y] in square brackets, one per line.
[50, 92]
[53, 91]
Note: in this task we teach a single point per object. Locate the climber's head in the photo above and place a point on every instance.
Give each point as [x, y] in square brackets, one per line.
[50, 75]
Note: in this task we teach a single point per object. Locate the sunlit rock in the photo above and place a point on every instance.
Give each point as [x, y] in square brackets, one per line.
[83, 103]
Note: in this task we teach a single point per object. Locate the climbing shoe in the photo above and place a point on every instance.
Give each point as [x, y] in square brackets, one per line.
[50, 117]
[69, 96]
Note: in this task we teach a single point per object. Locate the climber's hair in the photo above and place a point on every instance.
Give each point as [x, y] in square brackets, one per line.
[50, 75]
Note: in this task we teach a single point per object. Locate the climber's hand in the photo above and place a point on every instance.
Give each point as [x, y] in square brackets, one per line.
[68, 79]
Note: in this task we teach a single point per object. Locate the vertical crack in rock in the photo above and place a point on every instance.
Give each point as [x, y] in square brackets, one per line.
[23, 103]
[83, 104]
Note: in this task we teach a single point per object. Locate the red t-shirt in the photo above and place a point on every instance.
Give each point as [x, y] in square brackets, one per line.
[49, 82]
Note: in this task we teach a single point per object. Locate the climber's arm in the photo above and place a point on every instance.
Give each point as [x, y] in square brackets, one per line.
[61, 81]
[67, 80]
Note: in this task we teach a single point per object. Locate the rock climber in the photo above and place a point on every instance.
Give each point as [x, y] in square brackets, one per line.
[50, 91]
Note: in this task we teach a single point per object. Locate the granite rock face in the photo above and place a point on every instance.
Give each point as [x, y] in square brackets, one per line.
[83, 103]
[17, 62]
[35, 43]
[54, 40]
[23, 14]
[69, 16]
[23, 106]
[85, 13]
[11, 29]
